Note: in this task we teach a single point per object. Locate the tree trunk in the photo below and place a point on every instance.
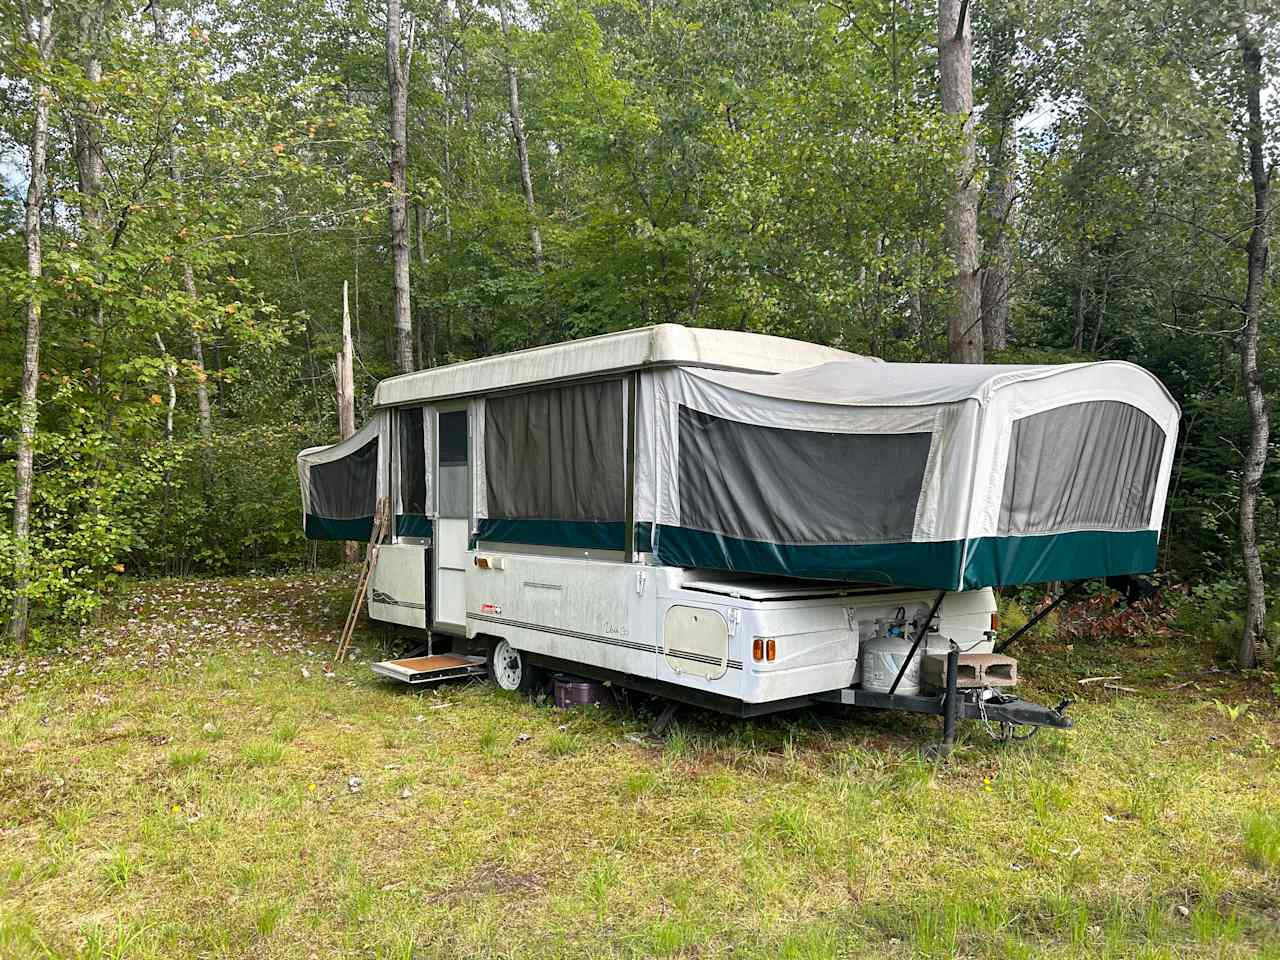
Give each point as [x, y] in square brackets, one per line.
[955, 62]
[197, 354]
[446, 179]
[398, 86]
[87, 123]
[188, 276]
[427, 323]
[171, 378]
[345, 378]
[995, 276]
[1082, 297]
[41, 36]
[522, 146]
[87, 133]
[344, 382]
[1102, 311]
[1253, 639]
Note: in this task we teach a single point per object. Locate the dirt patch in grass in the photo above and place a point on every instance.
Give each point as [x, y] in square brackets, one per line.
[186, 781]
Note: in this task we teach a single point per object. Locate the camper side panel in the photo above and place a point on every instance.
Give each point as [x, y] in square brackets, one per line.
[589, 611]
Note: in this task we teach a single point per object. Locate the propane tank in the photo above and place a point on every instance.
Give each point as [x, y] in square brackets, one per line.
[885, 653]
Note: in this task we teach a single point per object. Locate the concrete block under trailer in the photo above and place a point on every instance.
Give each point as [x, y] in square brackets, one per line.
[741, 645]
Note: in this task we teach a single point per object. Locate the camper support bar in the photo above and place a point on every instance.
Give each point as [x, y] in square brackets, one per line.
[921, 633]
[951, 699]
[1066, 594]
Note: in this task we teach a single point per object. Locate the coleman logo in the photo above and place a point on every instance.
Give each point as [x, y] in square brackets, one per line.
[490, 608]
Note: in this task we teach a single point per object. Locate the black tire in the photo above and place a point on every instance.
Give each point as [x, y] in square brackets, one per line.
[510, 669]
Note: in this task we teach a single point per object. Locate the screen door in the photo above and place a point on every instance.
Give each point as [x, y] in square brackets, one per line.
[453, 520]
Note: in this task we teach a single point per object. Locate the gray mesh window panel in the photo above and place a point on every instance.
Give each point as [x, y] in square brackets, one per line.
[1086, 466]
[413, 462]
[798, 486]
[453, 438]
[346, 489]
[455, 477]
[557, 454]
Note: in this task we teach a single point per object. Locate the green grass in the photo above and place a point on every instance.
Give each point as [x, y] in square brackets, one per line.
[153, 810]
[1262, 840]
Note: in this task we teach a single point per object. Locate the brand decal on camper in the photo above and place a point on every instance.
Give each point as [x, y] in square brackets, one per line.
[490, 608]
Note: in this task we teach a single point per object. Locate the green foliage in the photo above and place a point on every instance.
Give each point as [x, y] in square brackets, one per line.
[93, 507]
[1014, 616]
[233, 505]
[777, 167]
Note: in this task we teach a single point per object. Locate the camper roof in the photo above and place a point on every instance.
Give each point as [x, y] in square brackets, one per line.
[664, 344]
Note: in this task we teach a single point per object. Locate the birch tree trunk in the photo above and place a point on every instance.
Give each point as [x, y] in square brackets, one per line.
[171, 378]
[344, 381]
[522, 145]
[40, 34]
[398, 87]
[197, 354]
[1253, 639]
[955, 62]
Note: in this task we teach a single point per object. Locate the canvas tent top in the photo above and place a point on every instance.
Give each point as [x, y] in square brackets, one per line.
[664, 344]
[738, 452]
[918, 384]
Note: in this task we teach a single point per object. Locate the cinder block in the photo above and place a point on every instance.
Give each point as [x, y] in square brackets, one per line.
[973, 670]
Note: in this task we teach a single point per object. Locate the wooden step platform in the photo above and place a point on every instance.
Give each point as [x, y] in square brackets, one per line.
[441, 666]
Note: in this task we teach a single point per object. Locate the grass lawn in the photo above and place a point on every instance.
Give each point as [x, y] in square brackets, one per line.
[187, 783]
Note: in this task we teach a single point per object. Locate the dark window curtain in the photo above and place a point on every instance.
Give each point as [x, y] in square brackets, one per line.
[557, 454]
[798, 486]
[413, 462]
[1090, 465]
[346, 489]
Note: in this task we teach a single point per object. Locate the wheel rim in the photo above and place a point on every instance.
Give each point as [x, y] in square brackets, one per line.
[507, 666]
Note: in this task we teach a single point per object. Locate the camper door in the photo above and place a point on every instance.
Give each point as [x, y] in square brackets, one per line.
[452, 520]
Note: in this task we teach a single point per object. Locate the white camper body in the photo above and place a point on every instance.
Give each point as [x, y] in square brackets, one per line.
[730, 518]
[696, 629]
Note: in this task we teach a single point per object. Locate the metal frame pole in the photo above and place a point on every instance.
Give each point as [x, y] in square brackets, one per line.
[629, 533]
[951, 707]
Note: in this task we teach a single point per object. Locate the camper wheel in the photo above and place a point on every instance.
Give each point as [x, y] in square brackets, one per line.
[510, 669]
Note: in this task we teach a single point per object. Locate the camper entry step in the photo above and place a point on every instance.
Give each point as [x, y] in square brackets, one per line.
[442, 666]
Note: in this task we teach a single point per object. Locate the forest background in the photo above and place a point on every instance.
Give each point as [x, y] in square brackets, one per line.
[485, 178]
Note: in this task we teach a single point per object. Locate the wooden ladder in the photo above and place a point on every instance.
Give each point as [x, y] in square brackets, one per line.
[381, 527]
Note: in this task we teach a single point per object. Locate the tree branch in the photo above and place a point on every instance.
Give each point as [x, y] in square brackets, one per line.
[964, 9]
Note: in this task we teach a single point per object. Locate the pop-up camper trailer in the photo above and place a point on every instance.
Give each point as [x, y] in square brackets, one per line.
[742, 521]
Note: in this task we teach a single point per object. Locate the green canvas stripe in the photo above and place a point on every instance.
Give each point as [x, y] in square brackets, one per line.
[897, 564]
[413, 525]
[329, 528]
[583, 534]
[644, 537]
[1004, 561]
